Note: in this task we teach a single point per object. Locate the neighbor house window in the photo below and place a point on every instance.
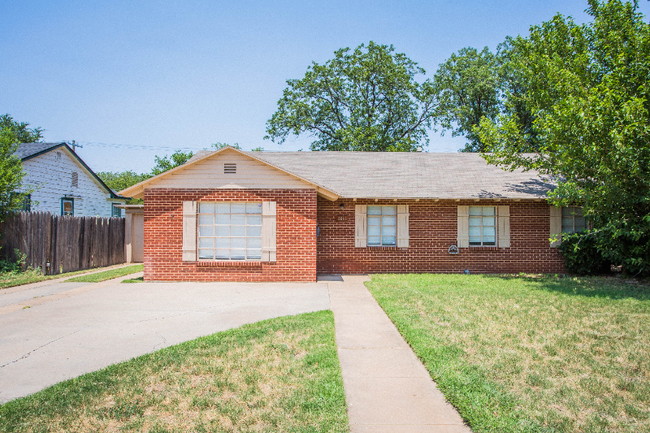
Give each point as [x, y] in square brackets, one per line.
[482, 226]
[67, 206]
[381, 225]
[116, 212]
[230, 231]
[572, 220]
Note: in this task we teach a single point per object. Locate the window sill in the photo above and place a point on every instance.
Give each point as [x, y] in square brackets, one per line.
[482, 248]
[231, 264]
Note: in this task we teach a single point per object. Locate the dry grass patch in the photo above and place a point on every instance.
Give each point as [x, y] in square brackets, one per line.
[526, 354]
[280, 375]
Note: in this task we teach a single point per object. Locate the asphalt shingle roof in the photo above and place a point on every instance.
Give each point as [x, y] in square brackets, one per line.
[25, 150]
[407, 174]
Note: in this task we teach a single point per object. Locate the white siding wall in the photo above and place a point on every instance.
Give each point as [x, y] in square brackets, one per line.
[51, 179]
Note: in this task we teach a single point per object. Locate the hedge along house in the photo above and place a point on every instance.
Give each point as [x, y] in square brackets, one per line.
[231, 215]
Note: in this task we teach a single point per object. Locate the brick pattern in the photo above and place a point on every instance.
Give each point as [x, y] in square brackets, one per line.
[296, 237]
[433, 228]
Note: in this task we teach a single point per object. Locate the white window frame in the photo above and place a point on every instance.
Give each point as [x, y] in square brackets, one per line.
[481, 219]
[252, 250]
[381, 225]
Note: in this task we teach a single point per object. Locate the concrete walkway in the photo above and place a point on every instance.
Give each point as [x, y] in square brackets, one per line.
[387, 388]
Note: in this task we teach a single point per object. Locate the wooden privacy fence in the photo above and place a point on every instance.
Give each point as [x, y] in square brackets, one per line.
[58, 244]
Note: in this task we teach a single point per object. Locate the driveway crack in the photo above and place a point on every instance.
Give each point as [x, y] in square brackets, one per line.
[25, 356]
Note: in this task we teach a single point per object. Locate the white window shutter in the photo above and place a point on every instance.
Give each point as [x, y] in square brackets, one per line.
[463, 226]
[556, 225]
[189, 231]
[268, 231]
[503, 214]
[361, 226]
[402, 226]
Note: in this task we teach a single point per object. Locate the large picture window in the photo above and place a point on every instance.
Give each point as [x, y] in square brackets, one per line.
[381, 225]
[230, 231]
[482, 226]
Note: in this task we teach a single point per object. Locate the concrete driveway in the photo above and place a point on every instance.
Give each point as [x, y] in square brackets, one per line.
[73, 328]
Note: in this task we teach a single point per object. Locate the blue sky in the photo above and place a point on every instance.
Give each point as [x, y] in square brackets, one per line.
[132, 79]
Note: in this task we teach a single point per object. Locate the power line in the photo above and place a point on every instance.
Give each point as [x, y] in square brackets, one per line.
[140, 146]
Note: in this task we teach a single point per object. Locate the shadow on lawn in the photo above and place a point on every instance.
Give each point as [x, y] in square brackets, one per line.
[593, 287]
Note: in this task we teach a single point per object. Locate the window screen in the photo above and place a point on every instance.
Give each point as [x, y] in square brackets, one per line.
[230, 231]
[381, 225]
[482, 225]
[572, 220]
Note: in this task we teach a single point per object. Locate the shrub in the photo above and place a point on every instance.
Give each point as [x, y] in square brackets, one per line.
[8, 265]
[581, 255]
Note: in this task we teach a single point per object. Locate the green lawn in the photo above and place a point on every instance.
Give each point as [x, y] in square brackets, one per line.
[518, 354]
[107, 275]
[12, 279]
[279, 375]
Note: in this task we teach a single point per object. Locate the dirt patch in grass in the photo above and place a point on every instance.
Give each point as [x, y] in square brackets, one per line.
[530, 354]
[277, 375]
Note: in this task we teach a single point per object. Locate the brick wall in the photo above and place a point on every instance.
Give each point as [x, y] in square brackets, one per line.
[433, 228]
[295, 239]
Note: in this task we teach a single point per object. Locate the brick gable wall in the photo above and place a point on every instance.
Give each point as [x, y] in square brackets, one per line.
[433, 228]
[295, 239]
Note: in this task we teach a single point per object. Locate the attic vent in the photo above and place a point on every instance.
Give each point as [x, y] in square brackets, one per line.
[229, 168]
[75, 179]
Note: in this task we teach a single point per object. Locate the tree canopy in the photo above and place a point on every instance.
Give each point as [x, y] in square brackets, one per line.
[11, 170]
[168, 162]
[468, 89]
[588, 88]
[366, 99]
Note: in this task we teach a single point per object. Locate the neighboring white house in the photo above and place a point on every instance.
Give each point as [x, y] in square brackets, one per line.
[62, 184]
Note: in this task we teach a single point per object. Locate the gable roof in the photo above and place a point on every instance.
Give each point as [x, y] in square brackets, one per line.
[137, 190]
[27, 151]
[396, 175]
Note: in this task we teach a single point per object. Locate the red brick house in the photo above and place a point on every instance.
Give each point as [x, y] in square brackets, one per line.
[231, 215]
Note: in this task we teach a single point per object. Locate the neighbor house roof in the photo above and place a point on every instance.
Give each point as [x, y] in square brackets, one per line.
[396, 175]
[27, 151]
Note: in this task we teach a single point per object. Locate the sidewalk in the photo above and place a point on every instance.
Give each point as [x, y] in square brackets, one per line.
[387, 388]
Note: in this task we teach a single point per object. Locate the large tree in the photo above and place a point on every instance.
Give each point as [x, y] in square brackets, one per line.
[11, 170]
[468, 87]
[366, 99]
[589, 90]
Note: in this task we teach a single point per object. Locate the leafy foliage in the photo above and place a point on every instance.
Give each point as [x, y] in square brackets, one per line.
[366, 99]
[581, 254]
[20, 131]
[168, 162]
[122, 180]
[589, 91]
[11, 170]
[218, 145]
[468, 90]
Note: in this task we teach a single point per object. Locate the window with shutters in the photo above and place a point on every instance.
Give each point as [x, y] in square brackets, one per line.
[382, 225]
[229, 231]
[572, 220]
[482, 226]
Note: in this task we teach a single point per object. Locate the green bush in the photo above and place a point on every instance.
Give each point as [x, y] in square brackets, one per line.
[8, 265]
[581, 255]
